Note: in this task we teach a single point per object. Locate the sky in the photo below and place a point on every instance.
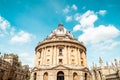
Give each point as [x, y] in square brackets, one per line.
[24, 23]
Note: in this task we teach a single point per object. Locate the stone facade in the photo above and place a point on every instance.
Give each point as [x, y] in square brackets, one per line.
[60, 57]
[9, 69]
[107, 72]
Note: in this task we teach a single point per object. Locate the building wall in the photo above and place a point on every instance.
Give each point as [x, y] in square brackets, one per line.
[106, 72]
[60, 53]
[9, 71]
[52, 75]
[72, 54]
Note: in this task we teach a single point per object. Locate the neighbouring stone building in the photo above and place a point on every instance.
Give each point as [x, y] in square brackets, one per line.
[10, 68]
[60, 57]
[106, 72]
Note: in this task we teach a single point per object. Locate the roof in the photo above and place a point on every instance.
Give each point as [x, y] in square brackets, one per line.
[60, 32]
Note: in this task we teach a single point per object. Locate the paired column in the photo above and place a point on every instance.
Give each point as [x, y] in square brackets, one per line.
[69, 59]
[84, 58]
[54, 55]
[78, 52]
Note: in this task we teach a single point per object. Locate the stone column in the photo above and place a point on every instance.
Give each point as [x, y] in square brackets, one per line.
[78, 52]
[70, 75]
[65, 55]
[81, 76]
[42, 56]
[52, 52]
[76, 56]
[37, 58]
[55, 55]
[45, 56]
[81, 57]
[84, 59]
[69, 59]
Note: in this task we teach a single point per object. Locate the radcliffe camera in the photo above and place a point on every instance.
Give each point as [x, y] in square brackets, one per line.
[59, 40]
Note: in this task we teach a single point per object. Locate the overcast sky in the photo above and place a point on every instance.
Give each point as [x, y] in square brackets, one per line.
[24, 23]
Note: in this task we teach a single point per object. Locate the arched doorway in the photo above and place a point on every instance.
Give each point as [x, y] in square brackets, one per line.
[85, 76]
[75, 76]
[35, 74]
[60, 75]
[45, 76]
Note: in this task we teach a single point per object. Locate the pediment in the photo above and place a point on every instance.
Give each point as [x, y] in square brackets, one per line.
[60, 67]
[34, 69]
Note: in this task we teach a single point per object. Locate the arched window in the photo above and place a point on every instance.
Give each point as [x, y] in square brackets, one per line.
[35, 74]
[45, 76]
[60, 51]
[85, 76]
[75, 76]
[60, 75]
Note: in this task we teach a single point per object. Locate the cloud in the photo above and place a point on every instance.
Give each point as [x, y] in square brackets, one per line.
[4, 25]
[77, 27]
[68, 18]
[7, 30]
[23, 55]
[12, 32]
[21, 37]
[66, 10]
[77, 16]
[69, 8]
[107, 45]
[86, 20]
[100, 33]
[1, 35]
[74, 7]
[102, 12]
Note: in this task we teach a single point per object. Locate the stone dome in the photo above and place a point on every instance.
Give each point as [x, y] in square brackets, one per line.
[60, 32]
[60, 54]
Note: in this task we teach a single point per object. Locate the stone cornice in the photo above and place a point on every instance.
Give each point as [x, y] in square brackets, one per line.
[61, 42]
[65, 67]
